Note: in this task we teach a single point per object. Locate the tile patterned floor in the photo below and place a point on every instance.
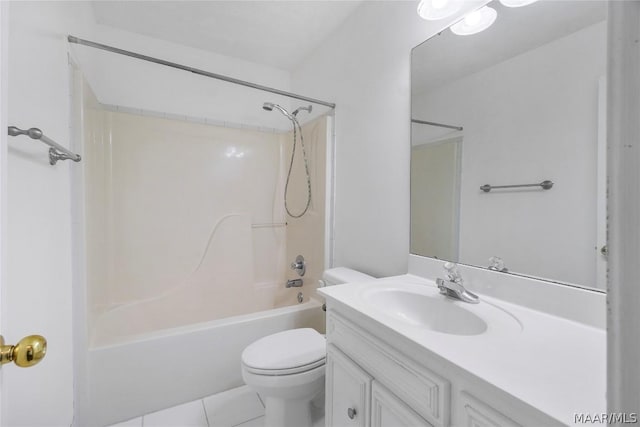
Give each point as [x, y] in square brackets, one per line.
[239, 407]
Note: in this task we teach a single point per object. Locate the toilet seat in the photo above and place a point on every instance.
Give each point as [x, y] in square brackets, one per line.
[285, 353]
[287, 371]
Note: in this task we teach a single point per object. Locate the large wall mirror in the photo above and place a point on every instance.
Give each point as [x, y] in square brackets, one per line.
[522, 102]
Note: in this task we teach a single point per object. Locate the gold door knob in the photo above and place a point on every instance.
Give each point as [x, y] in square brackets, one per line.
[29, 351]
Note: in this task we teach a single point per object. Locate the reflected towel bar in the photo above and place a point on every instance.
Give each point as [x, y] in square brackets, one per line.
[544, 184]
[269, 225]
[442, 125]
[56, 152]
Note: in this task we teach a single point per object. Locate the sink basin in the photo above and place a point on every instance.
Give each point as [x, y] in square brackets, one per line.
[425, 308]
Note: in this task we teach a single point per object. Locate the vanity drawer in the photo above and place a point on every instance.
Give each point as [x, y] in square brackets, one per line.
[424, 391]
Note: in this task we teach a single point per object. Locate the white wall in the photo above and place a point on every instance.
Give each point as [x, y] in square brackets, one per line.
[37, 291]
[524, 133]
[364, 67]
[133, 83]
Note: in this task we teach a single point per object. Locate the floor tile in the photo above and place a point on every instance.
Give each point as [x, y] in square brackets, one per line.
[259, 422]
[188, 415]
[136, 422]
[256, 422]
[233, 407]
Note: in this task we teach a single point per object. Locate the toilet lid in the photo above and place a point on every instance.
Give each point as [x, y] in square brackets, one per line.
[286, 350]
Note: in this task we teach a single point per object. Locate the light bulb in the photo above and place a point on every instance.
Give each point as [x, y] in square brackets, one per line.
[517, 3]
[475, 21]
[438, 9]
[472, 19]
[439, 4]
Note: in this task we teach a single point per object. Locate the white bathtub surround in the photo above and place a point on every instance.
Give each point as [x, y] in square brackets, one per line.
[306, 235]
[181, 215]
[552, 365]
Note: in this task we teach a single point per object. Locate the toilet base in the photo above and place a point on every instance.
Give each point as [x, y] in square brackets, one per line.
[287, 413]
[288, 398]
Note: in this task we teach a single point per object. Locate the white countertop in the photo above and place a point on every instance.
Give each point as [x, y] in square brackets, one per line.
[555, 365]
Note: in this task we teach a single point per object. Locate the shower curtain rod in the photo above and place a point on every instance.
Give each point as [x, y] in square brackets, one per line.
[76, 40]
[422, 122]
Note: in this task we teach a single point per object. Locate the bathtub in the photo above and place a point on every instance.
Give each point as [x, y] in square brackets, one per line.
[143, 373]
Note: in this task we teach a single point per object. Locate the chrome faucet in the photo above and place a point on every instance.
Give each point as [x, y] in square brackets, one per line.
[294, 283]
[453, 287]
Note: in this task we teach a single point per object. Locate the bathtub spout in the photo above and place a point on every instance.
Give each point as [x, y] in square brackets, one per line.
[295, 283]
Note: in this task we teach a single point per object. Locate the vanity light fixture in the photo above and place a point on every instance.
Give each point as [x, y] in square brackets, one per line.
[474, 22]
[516, 3]
[433, 10]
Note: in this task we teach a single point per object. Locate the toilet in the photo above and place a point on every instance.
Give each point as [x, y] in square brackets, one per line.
[287, 368]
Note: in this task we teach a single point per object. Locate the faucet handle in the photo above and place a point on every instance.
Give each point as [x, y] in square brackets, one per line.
[451, 268]
[497, 264]
[299, 265]
[452, 271]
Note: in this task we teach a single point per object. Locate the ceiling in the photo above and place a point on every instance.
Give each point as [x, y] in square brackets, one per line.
[275, 33]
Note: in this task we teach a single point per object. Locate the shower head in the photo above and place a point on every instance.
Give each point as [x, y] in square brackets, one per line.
[269, 106]
[307, 109]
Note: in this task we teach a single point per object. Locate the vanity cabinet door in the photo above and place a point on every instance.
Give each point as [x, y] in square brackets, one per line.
[479, 414]
[389, 411]
[348, 391]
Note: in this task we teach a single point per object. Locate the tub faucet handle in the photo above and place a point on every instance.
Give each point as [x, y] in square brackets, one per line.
[299, 265]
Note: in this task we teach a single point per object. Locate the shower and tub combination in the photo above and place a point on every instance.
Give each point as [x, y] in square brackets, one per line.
[189, 226]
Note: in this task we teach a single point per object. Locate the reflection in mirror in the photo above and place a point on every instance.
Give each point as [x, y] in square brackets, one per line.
[522, 102]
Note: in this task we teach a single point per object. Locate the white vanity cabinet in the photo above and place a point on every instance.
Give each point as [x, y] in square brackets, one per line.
[348, 391]
[377, 379]
[397, 389]
[355, 399]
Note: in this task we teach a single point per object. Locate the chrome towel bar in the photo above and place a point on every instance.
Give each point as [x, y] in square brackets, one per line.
[544, 184]
[442, 125]
[269, 225]
[56, 152]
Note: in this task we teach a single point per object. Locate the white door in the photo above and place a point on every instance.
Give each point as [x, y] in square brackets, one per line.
[28, 305]
[4, 21]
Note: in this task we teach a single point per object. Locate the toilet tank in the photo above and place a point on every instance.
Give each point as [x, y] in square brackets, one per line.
[340, 275]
